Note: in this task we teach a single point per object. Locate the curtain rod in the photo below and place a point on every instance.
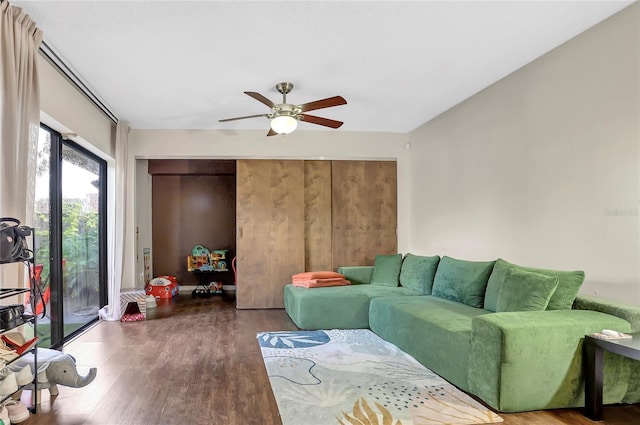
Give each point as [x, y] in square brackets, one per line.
[72, 77]
[52, 57]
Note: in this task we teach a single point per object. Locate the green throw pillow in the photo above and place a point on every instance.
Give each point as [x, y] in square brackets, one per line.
[569, 283]
[386, 270]
[462, 281]
[525, 291]
[417, 272]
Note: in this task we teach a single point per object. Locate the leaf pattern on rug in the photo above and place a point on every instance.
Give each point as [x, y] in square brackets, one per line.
[363, 414]
[292, 339]
[404, 370]
[443, 405]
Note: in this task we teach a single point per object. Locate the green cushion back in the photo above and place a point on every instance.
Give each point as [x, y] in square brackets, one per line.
[462, 281]
[417, 272]
[569, 283]
[495, 283]
[386, 270]
[525, 291]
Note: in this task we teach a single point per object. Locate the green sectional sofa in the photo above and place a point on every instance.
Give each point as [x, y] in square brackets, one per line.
[510, 335]
[346, 307]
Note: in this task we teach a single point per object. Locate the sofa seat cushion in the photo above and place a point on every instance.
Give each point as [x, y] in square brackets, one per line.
[375, 291]
[436, 331]
[338, 307]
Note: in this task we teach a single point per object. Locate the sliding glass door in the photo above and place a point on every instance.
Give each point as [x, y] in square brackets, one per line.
[80, 184]
[70, 222]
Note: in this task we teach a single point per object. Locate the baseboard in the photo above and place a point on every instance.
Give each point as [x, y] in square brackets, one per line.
[189, 288]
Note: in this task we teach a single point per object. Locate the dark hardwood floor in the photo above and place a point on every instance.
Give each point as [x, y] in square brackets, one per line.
[198, 362]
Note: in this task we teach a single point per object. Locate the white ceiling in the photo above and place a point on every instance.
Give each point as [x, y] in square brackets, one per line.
[185, 64]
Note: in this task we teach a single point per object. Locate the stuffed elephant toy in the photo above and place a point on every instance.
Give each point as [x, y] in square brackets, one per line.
[56, 368]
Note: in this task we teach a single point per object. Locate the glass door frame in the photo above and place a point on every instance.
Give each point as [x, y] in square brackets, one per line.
[56, 231]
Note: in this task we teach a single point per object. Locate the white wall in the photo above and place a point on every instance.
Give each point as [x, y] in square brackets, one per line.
[66, 110]
[156, 144]
[143, 218]
[543, 167]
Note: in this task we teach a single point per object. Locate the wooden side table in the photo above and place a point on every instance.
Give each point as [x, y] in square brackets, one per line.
[593, 352]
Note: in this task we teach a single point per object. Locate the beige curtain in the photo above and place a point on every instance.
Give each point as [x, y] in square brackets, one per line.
[19, 122]
[19, 111]
[117, 234]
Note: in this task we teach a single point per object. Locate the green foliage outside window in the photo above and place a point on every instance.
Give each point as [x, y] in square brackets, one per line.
[80, 248]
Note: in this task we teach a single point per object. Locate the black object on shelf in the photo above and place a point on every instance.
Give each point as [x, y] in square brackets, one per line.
[11, 316]
[13, 241]
[14, 249]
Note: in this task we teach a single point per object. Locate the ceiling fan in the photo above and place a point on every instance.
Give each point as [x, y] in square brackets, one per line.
[285, 116]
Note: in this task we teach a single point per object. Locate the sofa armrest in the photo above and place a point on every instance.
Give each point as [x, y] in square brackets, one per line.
[357, 274]
[524, 360]
[629, 313]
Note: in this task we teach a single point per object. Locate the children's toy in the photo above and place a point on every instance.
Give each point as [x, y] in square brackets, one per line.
[215, 287]
[56, 368]
[200, 259]
[203, 260]
[151, 302]
[163, 287]
[132, 313]
[201, 263]
[217, 260]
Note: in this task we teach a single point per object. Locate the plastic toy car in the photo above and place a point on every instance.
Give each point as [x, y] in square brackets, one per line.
[163, 287]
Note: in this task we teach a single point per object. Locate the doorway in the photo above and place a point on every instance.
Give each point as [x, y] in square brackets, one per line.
[193, 203]
[69, 218]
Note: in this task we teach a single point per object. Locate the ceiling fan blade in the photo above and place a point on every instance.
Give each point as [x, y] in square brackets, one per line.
[260, 98]
[321, 121]
[324, 103]
[271, 132]
[243, 118]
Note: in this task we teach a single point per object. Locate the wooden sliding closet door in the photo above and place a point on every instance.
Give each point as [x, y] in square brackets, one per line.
[364, 211]
[317, 215]
[270, 237]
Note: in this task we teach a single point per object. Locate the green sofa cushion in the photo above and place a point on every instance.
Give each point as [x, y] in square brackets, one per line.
[494, 284]
[417, 272]
[525, 291]
[327, 308]
[462, 281]
[357, 275]
[435, 331]
[569, 283]
[386, 270]
[336, 307]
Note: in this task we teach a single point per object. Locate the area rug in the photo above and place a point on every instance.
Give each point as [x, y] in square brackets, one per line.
[353, 377]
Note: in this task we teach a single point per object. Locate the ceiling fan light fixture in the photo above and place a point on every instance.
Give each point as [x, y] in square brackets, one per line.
[284, 124]
[285, 116]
